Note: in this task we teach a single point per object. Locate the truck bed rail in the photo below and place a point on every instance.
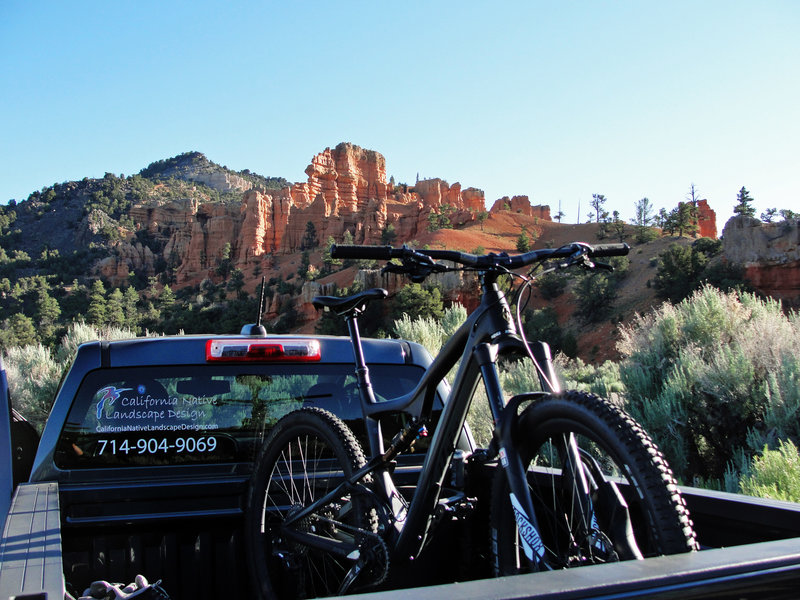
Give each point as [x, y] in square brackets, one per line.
[30, 550]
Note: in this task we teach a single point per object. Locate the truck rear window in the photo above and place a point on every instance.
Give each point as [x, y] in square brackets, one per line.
[208, 414]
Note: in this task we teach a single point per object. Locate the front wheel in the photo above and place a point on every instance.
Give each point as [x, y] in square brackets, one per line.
[601, 490]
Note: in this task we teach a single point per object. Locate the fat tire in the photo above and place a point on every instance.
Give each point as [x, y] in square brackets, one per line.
[663, 525]
[279, 569]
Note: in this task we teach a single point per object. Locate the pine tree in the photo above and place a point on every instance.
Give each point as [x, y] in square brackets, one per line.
[130, 300]
[523, 241]
[96, 314]
[310, 239]
[47, 313]
[744, 204]
[115, 313]
[598, 200]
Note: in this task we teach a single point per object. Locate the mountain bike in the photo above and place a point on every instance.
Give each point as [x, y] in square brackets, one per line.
[578, 482]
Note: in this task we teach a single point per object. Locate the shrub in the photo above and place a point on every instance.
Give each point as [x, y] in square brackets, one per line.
[413, 299]
[431, 332]
[552, 285]
[595, 293]
[774, 474]
[33, 376]
[701, 379]
[34, 372]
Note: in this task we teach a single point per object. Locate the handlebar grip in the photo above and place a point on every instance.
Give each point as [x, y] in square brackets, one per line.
[361, 252]
[609, 250]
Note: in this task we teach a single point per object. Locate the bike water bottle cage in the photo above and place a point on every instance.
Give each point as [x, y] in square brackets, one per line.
[349, 304]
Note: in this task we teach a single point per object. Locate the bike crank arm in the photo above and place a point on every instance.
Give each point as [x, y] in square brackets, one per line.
[339, 547]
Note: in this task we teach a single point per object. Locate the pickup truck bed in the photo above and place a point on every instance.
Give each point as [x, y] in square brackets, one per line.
[35, 550]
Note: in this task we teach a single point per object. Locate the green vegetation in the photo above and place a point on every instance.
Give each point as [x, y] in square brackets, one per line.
[744, 204]
[34, 371]
[683, 269]
[596, 291]
[713, 374]
[441, 219]
[774, 474]
[714, 379]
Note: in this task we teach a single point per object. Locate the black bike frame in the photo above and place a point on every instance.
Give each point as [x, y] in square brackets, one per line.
[488, 333]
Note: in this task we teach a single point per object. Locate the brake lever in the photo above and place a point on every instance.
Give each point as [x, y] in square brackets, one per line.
[416, 266]
[393, 268]
[603, 266]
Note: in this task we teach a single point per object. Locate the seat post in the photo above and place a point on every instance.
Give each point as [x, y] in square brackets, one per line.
[365, 392]
[362, 371]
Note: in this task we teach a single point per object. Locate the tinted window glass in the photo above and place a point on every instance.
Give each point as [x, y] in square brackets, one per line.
[208, 414]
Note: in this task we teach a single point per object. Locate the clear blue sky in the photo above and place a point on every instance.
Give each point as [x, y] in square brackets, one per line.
[555, 100]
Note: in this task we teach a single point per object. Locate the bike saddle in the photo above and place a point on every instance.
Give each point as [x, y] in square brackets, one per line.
[349, 304]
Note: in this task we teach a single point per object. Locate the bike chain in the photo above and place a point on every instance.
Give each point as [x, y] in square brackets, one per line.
[377, 563]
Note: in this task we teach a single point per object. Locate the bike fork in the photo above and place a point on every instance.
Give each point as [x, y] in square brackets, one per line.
[505, 416]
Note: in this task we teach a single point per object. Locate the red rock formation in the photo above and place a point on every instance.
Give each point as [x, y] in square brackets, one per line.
[522, 204]
[706, 220]
[346, 191]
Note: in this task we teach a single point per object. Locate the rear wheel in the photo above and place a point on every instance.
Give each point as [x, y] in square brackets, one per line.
[306, 455]
[601, 489]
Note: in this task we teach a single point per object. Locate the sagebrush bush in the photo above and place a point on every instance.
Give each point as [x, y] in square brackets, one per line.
[713, 379]
[33, 376]
[774, 474]
[602, 380]
[34, 372]
[431, 332]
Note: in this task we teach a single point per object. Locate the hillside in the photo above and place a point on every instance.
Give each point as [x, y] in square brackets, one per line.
[189, 240]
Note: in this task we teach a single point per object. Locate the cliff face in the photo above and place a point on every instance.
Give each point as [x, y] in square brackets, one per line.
[769, 253]
[706, 220]
[522, 204]
[346, 191]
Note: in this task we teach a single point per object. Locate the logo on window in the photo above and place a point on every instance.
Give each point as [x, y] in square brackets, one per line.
[109, 395]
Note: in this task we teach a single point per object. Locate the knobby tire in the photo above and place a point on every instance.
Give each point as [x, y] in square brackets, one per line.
[625, 453]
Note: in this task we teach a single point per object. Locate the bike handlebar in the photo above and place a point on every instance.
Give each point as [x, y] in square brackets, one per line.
[483, 261]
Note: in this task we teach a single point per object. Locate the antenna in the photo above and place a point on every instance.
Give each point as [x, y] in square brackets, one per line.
[261, 302]
[257, 328]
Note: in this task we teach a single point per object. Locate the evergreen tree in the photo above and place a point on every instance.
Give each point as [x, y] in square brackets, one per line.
[236, 281]
[684, 218]
[96, 314]
[523, 241]
[115, 312]
[598, 200]
[618, 226]
[329, 263]
[769, 214]
[388, 235]
[18, 331]
[166, 299]
[744, 204]
[47, 313]
[643, 220]
[310, 239]
[224, 262]
[415, 300]
[130, 300]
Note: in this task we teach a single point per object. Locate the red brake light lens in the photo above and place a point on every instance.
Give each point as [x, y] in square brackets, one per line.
[264, 350]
